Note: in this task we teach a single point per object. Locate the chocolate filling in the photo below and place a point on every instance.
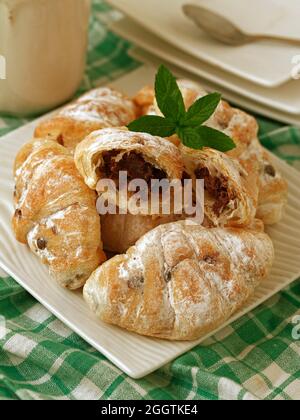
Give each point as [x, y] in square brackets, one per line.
[216, 187]
[134, 164]
[185, 176]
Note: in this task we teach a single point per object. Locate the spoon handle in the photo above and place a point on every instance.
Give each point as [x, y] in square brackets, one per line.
[292, 41]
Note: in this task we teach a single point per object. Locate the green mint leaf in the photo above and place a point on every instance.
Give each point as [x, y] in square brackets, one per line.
[201, 110]
[197, 138]
[187, 125]
[152, 124]
[168, 96]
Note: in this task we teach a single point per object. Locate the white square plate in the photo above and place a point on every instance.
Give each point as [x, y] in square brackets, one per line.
[135, 355]
[264, 62]
[284, 98]
[269, 17]
[236, 99]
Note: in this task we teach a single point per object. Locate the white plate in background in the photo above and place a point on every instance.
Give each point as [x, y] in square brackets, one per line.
[135, 355]
[257, 17]
[264, 62]
[285, 98]
[234, 98]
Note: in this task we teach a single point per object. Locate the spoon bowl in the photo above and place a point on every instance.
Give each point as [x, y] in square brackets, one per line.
[223, 30]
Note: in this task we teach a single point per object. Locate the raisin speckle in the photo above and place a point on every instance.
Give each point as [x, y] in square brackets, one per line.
[270, 170]
[136, 282]
[168, 276]
[54, 230]
[41, 244]
[18, 213]
[210, 260]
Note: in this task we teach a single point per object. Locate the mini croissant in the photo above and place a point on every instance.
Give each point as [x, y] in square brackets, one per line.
[56, 213]
[104, 154]
[99, 108]
[180, 281]
[243, 129]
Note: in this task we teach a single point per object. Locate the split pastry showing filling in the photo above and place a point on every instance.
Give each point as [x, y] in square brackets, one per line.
[230, 195]
[100, 108]
[106, 153]
[243, 129]
[180, 281]
[56, 213]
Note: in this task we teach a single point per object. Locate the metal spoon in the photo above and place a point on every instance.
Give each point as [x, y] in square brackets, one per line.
[222, 29]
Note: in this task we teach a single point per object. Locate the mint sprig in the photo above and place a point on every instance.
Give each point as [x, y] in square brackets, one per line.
[187, 124]
[168, 95]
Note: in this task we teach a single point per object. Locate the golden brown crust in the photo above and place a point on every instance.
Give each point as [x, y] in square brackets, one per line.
[27, 161]
[144, 99]
[273, 189]
[56, 213]
[100, 108]
[31, 147]
[180, 281]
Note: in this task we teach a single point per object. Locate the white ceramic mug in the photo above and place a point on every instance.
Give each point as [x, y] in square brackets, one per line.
[42, 53]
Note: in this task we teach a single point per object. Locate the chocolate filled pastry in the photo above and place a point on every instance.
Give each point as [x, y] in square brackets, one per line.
[100, 108]
[106, 153]
[256, 161]
[180, 281]
[230, 195]
[243, 129]
[56, 213]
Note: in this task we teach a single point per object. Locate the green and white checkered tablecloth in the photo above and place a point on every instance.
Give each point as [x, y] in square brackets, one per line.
[255, 358]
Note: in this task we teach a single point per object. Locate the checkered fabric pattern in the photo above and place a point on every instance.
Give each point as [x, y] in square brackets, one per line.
[258, 357]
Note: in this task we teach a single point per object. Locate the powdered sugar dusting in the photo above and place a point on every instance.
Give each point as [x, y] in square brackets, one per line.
[103, 105]
[224, 266]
